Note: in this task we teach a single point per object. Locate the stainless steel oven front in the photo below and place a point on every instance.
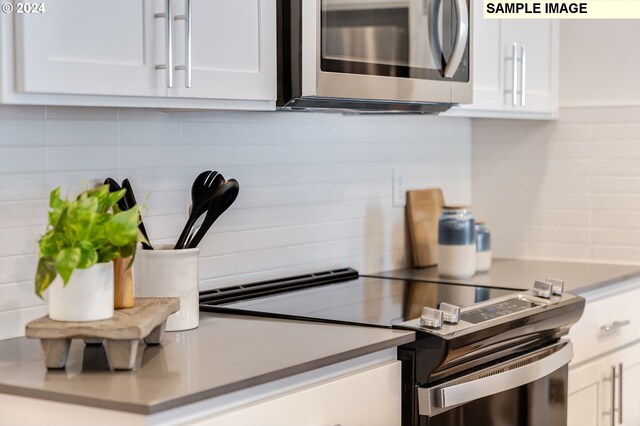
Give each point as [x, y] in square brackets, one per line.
[399, 53]
[527, 390]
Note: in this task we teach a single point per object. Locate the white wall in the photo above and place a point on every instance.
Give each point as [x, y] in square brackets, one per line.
[600, 62]
[315, 188]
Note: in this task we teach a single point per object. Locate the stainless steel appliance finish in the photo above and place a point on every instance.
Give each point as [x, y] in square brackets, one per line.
[374, 56]
[481, 355]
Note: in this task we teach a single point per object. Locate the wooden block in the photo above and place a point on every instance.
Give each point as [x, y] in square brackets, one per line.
[121, 353]
[127, 324]
[155, 337]
[123, 284]
[423, 210]
[56, 352]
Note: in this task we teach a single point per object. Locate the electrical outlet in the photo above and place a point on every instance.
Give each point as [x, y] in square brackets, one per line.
[399, 189]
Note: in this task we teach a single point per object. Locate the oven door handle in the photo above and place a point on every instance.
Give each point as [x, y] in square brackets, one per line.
[505, 376]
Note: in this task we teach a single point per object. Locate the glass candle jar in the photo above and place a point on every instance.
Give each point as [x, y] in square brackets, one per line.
[483, 247]
[456, 242]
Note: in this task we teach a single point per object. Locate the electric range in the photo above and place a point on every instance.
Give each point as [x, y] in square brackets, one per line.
[475, 346]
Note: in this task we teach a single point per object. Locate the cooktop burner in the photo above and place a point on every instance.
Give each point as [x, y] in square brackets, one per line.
[344, 297]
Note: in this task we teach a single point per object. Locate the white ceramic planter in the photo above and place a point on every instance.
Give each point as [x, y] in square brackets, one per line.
[88, 296]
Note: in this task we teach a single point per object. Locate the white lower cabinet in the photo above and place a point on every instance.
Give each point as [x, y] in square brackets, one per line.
[604, 378]
[368, 397]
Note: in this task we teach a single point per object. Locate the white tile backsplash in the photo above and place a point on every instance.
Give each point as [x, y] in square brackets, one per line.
[315, 188]
[581, 184]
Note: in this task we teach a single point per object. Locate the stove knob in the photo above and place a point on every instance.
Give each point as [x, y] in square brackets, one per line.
[450, 313]
[542, 289]
[558, 286]
[431, 318]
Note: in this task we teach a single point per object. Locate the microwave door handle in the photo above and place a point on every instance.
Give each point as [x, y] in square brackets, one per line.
[460, 42]
[533, 369]
[435, 43]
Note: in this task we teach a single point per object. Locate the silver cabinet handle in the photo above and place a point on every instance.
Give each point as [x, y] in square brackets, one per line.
[613, 396]
[168, 43]
[514, 93]
[523, 74]
[187, 45]
[620, 367]
[509, 375]
[460, 43]
[614, 327]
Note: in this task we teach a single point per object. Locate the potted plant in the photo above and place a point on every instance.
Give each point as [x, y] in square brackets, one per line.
[82, 239]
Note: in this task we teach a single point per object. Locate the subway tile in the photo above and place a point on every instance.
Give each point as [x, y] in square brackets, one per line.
[64, 158]
[607, 185]
[573, 252]
[558, 151]
[13, 322]
[615, 237]
[23, 187]
[209, 133]
[150, 156]
[617, 202]
[555, 184]
[22, 132]
[19, 240]
[616, 220]
[19, 295]
[575, 116]
[616, 132]
[537, 201]
[21, 112]
[81, 132]
[83, 113]
[17, 268]
[558, 235]
[623, 114]
[558, 167]
[22, 160]
[23, 213]
[615, 167]
[615, 254]
[606, 150]
[576, 218]
[140, 132]
[147, 114]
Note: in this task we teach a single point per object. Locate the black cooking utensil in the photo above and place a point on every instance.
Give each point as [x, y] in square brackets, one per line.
[115, 187]
[202, 189]
[223, 198]
[131, 202]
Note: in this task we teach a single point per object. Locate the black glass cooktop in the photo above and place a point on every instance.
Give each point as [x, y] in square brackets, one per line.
[358, 300]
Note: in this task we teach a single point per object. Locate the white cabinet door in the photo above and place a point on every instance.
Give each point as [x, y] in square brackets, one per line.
[366, 398]
[493, 69]
[585, 394]
[233, 49]
[537, 74]
[97, 47]
[630, 392]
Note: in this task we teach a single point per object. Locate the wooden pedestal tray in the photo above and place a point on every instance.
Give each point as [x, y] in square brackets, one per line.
[121, 334]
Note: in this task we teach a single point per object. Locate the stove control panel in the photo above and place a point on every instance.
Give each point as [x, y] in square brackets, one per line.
[485, 313]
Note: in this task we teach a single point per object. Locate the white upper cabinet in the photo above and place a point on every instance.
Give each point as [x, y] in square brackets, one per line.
[232, 49]
[99, 47]
[141, 53]
[534, 44]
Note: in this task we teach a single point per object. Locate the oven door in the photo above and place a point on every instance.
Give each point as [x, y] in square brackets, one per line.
[390, 50]
[527, 390]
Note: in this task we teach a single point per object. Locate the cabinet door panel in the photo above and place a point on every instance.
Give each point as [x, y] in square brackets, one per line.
[101, 47]
[631, 388]
[537, 37]
[233, 49]
[585, 395]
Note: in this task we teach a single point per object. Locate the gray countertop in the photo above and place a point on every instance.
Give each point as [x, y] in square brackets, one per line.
[225, 354]
[519, 274]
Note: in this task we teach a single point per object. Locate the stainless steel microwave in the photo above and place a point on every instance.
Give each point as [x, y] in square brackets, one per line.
[374, 55]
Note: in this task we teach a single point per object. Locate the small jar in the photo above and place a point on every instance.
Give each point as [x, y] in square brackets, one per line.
[456, 242]
[483, 247]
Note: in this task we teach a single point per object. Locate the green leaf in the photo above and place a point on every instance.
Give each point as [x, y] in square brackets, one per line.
[57, 206]
[88, 255]
[122, 228]
[66, 261]
[108, 253]
[45, 274]
[128, 249]
[50, 244]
